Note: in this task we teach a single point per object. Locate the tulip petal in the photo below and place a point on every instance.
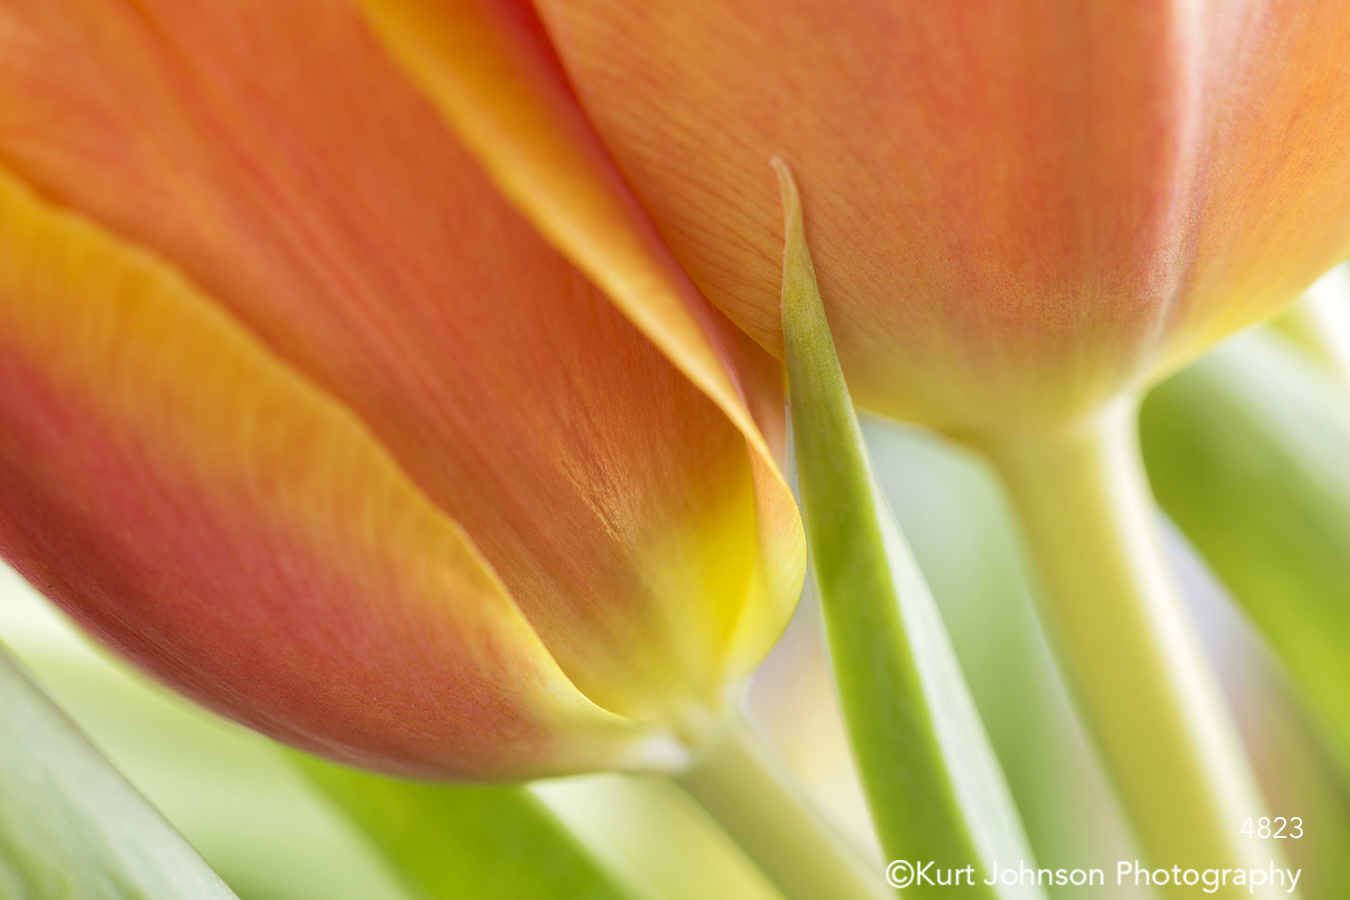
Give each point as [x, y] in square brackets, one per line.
[1272, 184]
[487, 66]
[1015, 205]
[292, 172]
[489, 69]
[200, 506]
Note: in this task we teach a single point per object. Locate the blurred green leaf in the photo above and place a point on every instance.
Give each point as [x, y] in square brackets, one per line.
[933, 783]
[70, 825]
[451, 841]
[1299, 773]
[956, 517]
[1249, 452]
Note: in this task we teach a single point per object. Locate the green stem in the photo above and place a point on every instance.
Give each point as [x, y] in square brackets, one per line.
[1128, 644]
[741, 785]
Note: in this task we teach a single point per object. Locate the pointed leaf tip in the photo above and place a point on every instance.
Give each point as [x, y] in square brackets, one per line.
[803, 311]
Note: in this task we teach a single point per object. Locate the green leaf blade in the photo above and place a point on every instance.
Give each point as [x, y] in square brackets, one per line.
[450, 841]
[70, 825]
[931, 779]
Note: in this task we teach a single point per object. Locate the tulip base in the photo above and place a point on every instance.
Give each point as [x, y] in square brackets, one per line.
[1127, 643]
[740, 784]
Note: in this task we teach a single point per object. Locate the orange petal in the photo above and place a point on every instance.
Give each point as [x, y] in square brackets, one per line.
[209, 513]
[488, 68]
[279, 159]
[1013, 207]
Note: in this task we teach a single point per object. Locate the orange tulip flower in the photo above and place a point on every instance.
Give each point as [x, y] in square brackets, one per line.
[1016, 209]
[297, 412]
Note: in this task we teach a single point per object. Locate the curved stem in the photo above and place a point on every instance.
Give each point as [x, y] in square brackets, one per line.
[741, 785]
[1128, 644]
